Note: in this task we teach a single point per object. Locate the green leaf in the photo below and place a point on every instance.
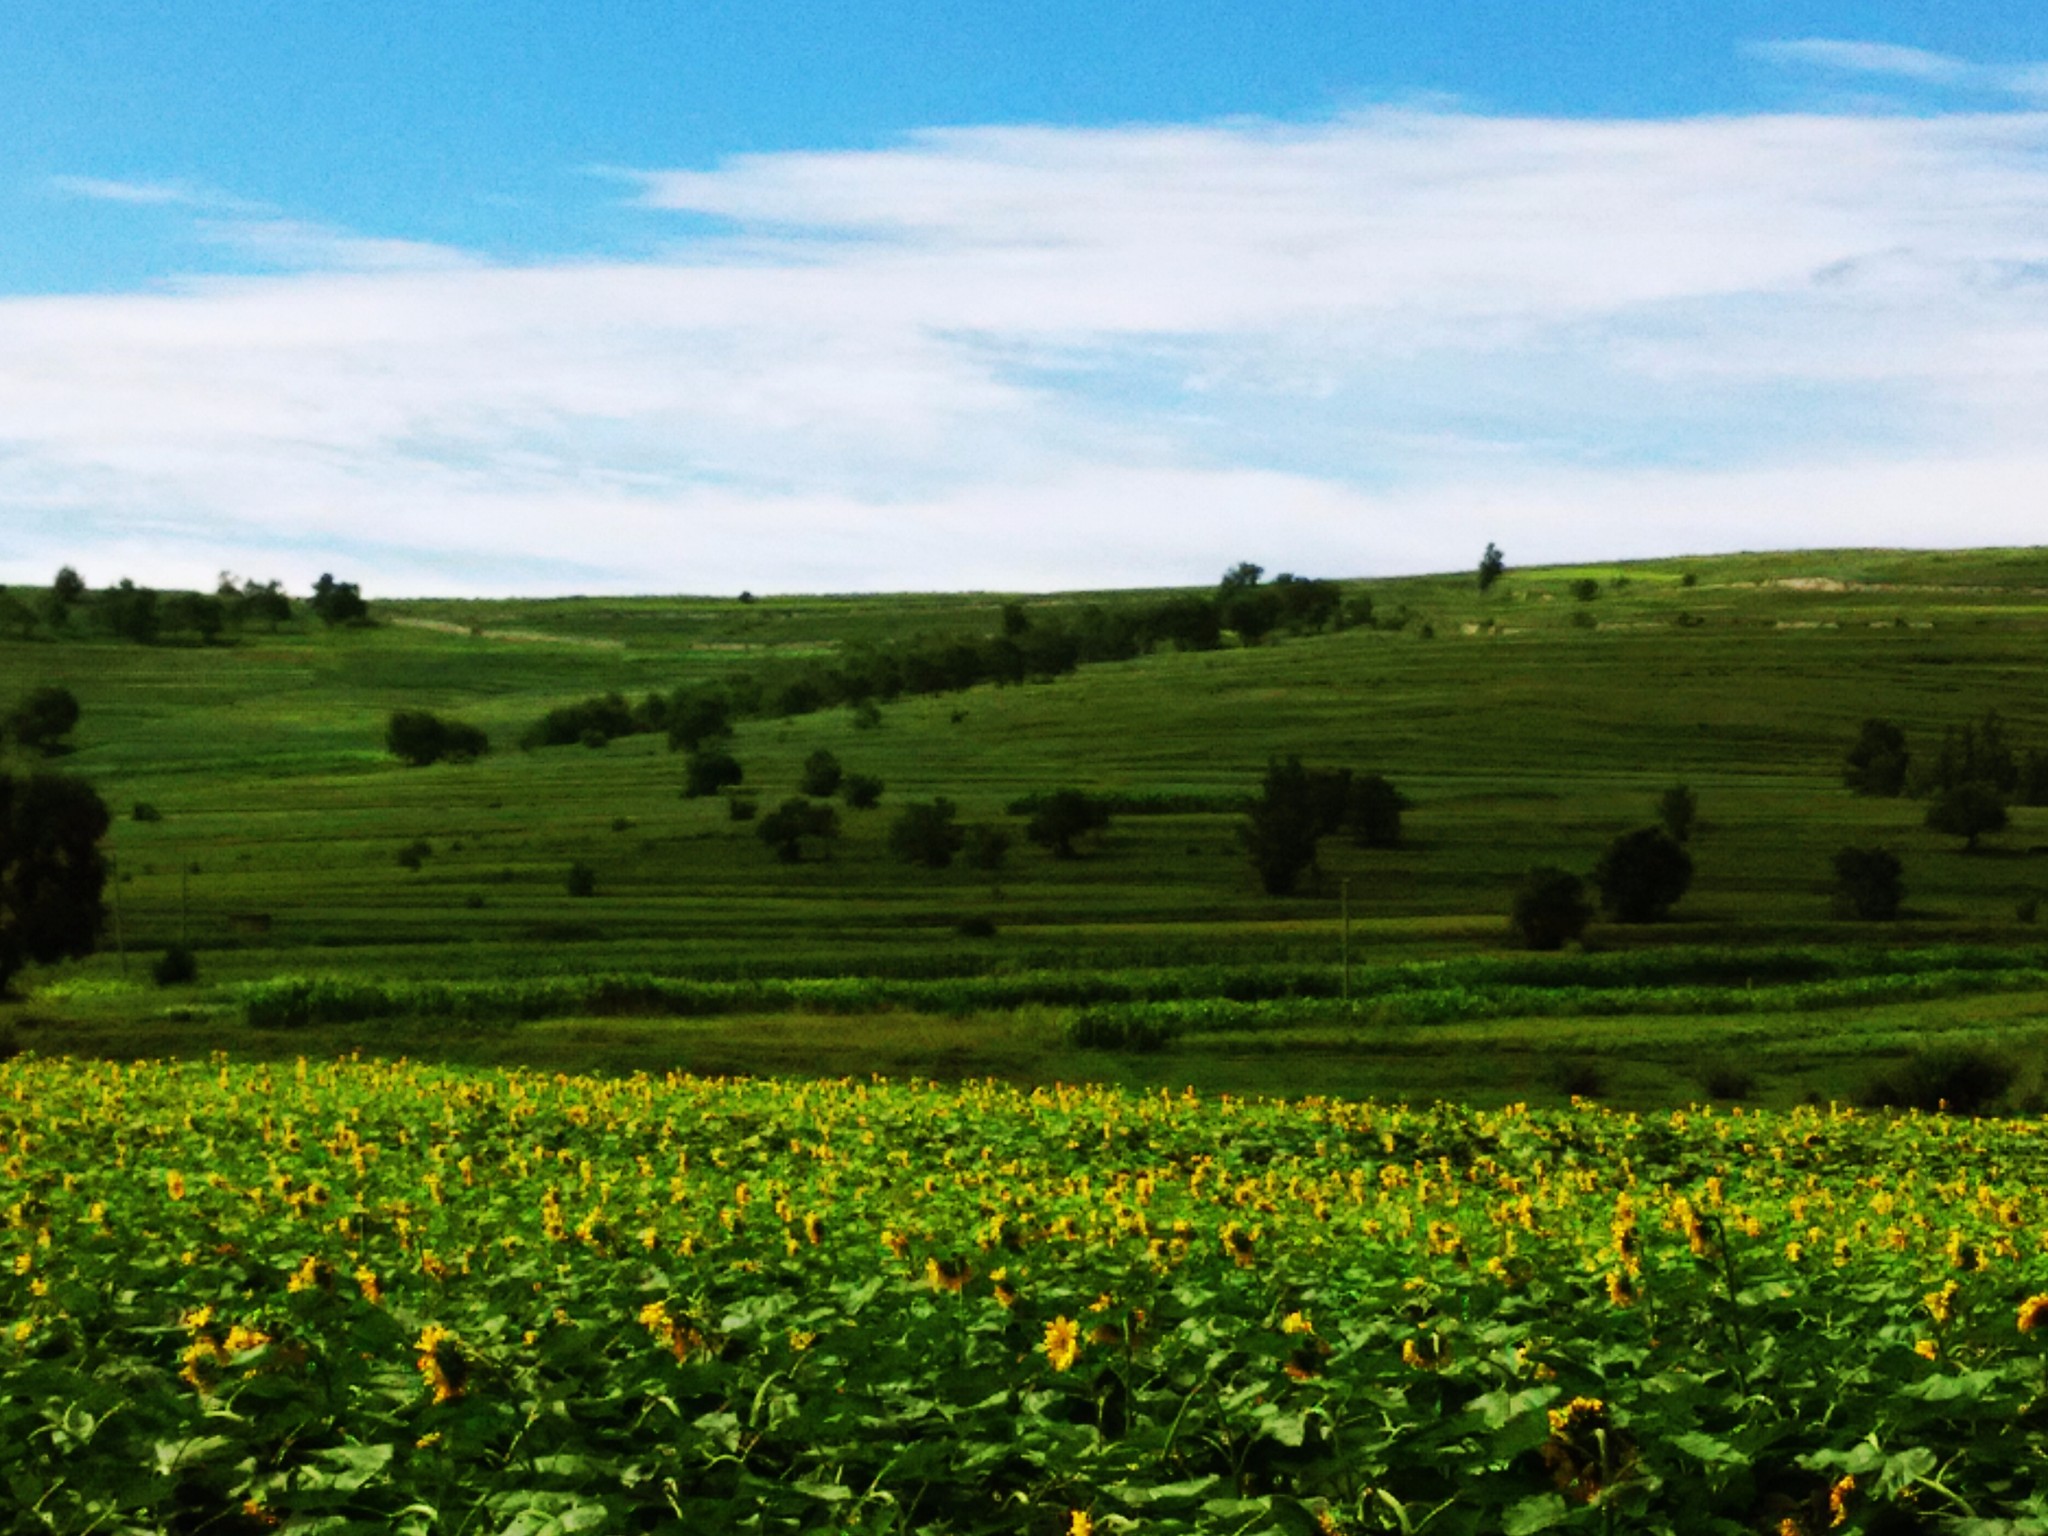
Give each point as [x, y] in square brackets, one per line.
[1539, 1512]
[1715, 1453]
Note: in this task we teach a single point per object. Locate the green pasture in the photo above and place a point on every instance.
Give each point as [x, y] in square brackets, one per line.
[1527, 726]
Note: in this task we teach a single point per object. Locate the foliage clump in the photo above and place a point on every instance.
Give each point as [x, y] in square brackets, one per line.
[1642, 874]
[1550, 908]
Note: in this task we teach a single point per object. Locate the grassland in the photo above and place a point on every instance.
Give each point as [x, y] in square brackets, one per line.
[1526, 726]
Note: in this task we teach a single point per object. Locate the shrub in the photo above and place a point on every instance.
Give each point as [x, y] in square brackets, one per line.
[741, 807]
[1642, 874]
[42, 720]
[581, 880]
[987, 847]
[1963, 1080]
[975, 928]
[925, 833]
[1727, 1081]
[1063, 816]
[697, 716]
[821, 774]
[175, 967]
[1677, 809]
[1372, 811]
[418, 737]
[1550, 908]
[1868, 884]
[144, 811]
[414, 854]
[862, 791]
[1578, 1077]
[1585, 589]
[867, 715]
[708, 770]
[1689, 579]
[1967, 811]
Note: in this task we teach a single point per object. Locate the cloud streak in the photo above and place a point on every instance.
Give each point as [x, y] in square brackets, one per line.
[1037, 357]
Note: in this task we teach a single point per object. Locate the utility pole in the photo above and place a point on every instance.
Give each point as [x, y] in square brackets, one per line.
[1345, 887]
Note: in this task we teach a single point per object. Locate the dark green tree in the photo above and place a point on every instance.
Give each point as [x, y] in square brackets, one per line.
[1372, 811]
[785, 828]
[710, 769]
[861, 791]
[926, 833]
[129, 612]
[16, 616]
[1677, 809]
[1968, 811]
[1642, 874]
[987, 847]
[1062, 817]
[1876, 764]
[1550, 908]
[1492, 566]
[43, 718]
[338, 602]
[697, 715]
[821, 774]
[419, 737]
[1868, 884]
[1281, 827]
[51, 872]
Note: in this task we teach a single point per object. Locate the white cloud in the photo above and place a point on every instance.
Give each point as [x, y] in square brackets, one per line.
[2028, 81]
[1038, 357]
[141, 193]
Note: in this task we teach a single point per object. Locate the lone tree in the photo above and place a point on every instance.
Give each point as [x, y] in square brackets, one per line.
[338, 602]
[1550, 908]
[1492, 566]
[987, 847]
[419, 737]
[1372, 811]
[862, 791]
[1967, 811]
[926, 833]
[821, 774]
[1282, 825]
[51, 872]
[1876, 764]
[1677, 809]
[785, 828]
[708, 770]
[1642, 874]
[1063, 816]
[1867, 884]
[42, 720]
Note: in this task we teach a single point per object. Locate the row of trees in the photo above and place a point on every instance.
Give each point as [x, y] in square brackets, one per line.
[1968, 783]
[146, 616]
[1297, 807]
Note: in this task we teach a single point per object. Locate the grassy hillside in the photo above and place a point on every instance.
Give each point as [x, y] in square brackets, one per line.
[1526, 725]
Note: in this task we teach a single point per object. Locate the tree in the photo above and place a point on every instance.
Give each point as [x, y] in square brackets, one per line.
[1492, 566]
[1241, 577]
[130, 612]
[708, 770]
[1585, 589]
[51, 872]
[1252, 613]
[1642, 874]
[1282, 825]
[821, 774]
[1867, 884]
[203, 616]
[987, 847]
[338, 602]
[1677, 809]
[1063, 816]
[1967, 811]
[68, 588]
[16, 615]
[785, 828]
[1372, 811]
[697, 715]
[581, 880]
[257, 603]
[419, 737]
[1550, 908]
[925, 833]
[862, 791]
[42, 720]
[1876, 764]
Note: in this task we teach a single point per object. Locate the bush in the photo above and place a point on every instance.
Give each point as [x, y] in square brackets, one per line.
[1677, 809]
[741, 807]
[1877, 763]
[1550, 908]
[414, 854]
[1372, 811]
[1578, 1077]
[144, 811]
[175, 967]
[43, 719]
[1585, 589]
[418, 737]
[1967, 811]
[867, 715]
[1727, 1081]
[1962, 1080]
[708, 770]
[581, 880]
[925, 834]
[1868, 884]
[862, 791]
[821, 775]
[1642, 874]
[975, 928]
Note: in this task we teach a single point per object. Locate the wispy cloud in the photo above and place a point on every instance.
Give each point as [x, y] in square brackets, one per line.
[1843, 56]
[1038, 357]
[141, 193]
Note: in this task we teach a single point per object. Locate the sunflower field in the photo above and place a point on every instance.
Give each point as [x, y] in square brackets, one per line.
[373, 1296]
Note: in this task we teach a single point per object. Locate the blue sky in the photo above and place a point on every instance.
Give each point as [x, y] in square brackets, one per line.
[636, 296]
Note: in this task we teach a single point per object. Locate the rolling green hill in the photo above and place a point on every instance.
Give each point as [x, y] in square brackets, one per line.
[1527, 726]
